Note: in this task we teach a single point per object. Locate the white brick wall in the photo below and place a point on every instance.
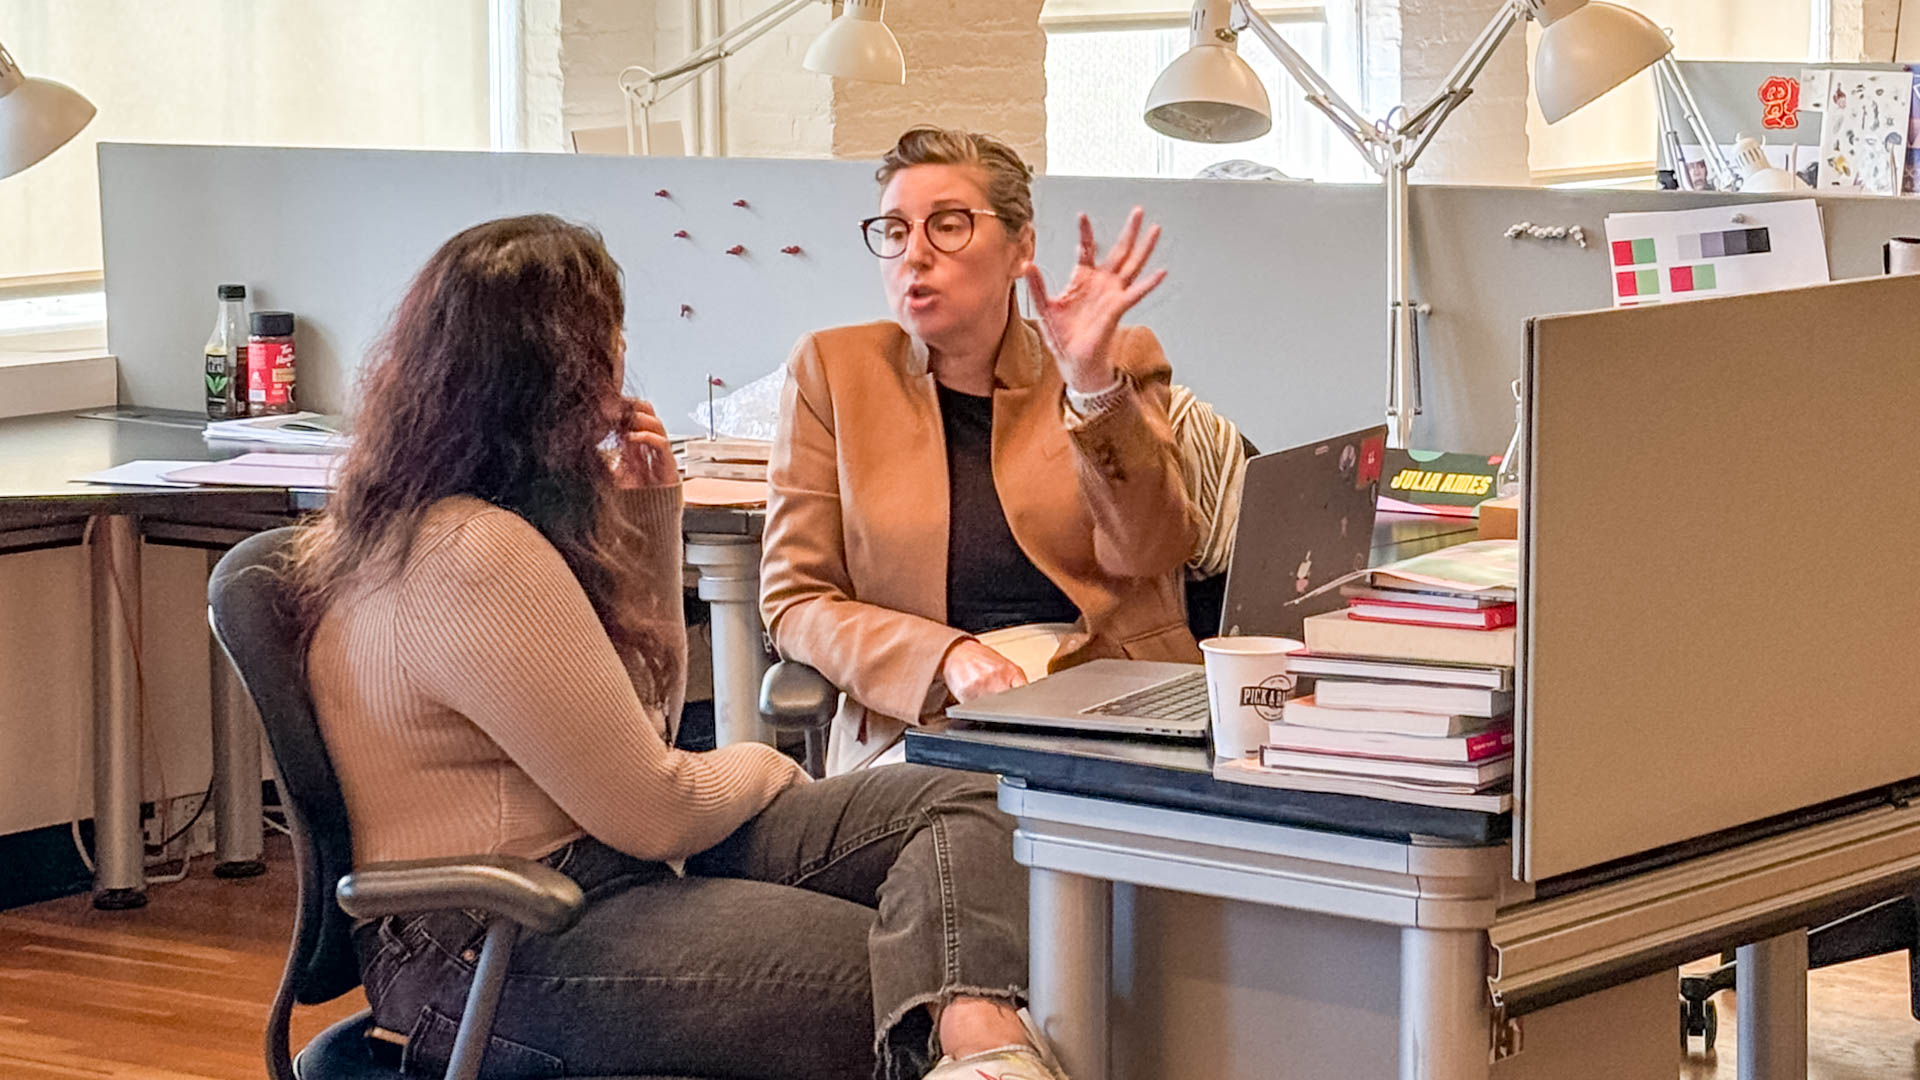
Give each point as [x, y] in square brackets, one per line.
[1864, 29]
[1485, 141]
[597, 39]
[974, 64]
[981, 64]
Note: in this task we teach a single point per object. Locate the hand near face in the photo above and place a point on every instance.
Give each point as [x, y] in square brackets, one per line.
[644, 458]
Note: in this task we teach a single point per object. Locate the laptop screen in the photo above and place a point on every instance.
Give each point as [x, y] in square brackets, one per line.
[1306, 520]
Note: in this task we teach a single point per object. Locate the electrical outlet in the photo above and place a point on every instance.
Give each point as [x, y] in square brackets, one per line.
[171, 816]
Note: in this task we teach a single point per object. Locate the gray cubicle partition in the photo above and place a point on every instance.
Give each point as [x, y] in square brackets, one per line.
[1272, 309]
[1719, 615]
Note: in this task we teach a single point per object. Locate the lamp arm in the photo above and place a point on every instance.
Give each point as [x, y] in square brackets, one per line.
[1666, 70]
[671, 78]
[1472, 63]
[1319, 90]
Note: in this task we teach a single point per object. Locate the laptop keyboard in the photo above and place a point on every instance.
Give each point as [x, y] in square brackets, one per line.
[1178, 700]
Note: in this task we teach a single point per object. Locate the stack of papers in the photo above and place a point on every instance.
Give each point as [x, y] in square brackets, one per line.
[315, 471]
[306, 429]
[263, 470]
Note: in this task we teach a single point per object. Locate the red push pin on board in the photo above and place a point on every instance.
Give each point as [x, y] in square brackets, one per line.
[737, 249]
[790, 249]
[663, 193]
[681, 234]
[686, 311]
[741, 203]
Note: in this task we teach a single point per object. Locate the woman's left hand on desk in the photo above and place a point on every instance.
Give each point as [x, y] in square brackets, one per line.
[1081, 320]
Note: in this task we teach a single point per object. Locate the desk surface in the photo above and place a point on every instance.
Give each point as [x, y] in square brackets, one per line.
[40, 456]
[1179, 776]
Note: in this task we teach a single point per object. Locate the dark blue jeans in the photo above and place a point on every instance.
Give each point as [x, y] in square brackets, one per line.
[807, 944]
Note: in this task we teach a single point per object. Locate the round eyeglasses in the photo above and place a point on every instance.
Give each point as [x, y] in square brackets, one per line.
[947, 230]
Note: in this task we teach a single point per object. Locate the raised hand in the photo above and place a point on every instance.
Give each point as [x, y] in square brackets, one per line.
[644, 457]
[1080, 321]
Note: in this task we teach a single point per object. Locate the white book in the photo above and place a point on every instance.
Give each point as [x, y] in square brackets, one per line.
[1308, 712]
[1495, 800]
[1412, 697]
[1361, 667]
[1470, 777]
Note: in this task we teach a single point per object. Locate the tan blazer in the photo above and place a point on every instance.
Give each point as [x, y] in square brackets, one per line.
[854, 577]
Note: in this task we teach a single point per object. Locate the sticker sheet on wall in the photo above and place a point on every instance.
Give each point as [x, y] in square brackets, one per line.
[1863, 133]
[1698, 254]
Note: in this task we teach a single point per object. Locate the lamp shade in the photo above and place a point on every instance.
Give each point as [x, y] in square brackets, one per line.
[1589, 51]
[1209, 94]
[37, 116]
[858, 45]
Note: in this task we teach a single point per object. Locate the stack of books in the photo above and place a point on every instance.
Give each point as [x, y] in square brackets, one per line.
[723, 459]
[1412, 695]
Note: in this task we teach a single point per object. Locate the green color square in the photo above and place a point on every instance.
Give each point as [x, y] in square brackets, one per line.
[1643, 251]
[1647, 282]
[1703, 277]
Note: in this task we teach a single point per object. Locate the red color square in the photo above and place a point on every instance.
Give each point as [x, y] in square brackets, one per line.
[1625, 282]
[1623, 253]
[1682, 278]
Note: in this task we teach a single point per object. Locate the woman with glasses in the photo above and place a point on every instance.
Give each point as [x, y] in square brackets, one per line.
[958, 471]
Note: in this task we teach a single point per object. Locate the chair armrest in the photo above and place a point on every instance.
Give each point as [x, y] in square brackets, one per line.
[531, 894]
[793, 695]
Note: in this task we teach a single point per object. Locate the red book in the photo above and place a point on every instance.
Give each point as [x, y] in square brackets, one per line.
[1491, 618]
[1494, 742]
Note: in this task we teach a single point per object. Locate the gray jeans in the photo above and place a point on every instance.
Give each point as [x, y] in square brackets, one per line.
[807, 944]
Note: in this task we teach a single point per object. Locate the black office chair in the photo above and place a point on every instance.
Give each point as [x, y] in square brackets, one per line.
[1885, 927]
[253, 621]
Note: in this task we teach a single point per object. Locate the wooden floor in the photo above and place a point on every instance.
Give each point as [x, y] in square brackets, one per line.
[179, 991]
[176, 991]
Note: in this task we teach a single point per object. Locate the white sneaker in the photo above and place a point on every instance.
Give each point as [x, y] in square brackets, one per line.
[1032, 1060]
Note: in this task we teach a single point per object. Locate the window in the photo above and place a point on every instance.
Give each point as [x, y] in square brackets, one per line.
[369, 73]
[1102, 59]
[1614, 136]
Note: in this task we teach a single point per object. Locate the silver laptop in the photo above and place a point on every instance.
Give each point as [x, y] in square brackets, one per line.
[1306, 520]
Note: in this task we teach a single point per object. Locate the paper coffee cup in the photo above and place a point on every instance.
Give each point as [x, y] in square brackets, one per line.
[1901, 255]
[1248, 680]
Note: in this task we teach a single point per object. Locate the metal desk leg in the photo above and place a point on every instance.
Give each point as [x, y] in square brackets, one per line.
[1444, 1014]
[119, 875]
[1771, 1001]
[730, 582]
[236, 768]
[1070, 961]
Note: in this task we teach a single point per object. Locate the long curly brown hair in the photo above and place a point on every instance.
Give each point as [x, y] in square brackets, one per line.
[500, 379]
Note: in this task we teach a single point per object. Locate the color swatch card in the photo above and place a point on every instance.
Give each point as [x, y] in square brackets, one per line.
[1863, 134]
[1696, 254]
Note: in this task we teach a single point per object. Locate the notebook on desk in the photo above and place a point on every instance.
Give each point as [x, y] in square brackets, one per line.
[1306, 520]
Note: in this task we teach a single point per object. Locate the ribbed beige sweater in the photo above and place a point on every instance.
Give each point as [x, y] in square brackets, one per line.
[473, 703]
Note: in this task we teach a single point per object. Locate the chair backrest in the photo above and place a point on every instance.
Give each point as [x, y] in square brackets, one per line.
[253, 620]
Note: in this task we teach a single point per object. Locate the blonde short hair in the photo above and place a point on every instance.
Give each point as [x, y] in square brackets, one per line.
[1009, 179]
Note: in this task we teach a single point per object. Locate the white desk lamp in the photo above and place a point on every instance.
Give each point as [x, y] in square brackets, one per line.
[1209, 94]
[37, 116]
[1759, 174]
[856, 45]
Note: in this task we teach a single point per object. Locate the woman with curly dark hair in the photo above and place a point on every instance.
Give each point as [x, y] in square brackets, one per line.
[496, 655]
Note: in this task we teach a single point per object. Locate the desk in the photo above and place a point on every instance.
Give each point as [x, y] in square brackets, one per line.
[40, 507]
[1093, 811]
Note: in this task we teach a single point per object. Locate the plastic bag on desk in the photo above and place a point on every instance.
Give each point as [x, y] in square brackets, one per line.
[751, 412]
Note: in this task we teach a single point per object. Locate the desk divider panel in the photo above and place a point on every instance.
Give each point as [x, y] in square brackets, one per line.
[1273, 308]
[1719, 611]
